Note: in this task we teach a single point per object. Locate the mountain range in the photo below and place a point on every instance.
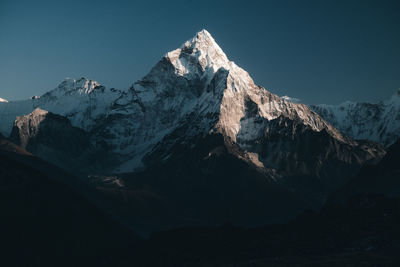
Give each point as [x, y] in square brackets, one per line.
[379, 122]
[197, 142]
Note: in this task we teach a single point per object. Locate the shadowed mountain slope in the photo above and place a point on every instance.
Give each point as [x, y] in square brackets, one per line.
[44, 222]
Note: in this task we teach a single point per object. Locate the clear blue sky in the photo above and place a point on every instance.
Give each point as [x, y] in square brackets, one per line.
[318, 51]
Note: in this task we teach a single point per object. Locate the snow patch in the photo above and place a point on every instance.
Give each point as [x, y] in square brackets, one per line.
[291, 99]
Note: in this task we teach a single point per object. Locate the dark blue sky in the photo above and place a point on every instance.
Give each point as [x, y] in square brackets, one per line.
[318, 51]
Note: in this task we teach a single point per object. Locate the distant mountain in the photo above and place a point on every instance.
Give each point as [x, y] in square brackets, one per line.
[3, 100]
[379, 122]
[82, 101]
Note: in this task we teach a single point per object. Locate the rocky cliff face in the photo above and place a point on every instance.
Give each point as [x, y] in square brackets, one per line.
[53, 138]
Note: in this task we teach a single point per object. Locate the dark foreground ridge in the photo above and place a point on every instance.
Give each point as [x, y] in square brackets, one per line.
[45, 223]
[358, 226]
[362, 232]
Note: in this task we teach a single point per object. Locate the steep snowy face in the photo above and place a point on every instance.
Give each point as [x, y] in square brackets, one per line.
[378, 122]
[80, 86]
[185, 71]
[83, 101]
[198, 56]
[3, 100]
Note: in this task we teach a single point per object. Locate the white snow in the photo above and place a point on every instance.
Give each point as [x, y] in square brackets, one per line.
[3, 100]
[291, 99]
[206, 52]
[378, 122]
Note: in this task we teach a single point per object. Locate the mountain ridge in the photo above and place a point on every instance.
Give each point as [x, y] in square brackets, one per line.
[379, 121]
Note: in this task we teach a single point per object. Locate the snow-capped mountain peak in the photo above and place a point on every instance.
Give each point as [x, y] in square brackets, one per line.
[200, 51]
[3, 100]
[80, 86]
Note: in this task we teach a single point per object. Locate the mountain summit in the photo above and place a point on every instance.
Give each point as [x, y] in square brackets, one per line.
[203, 50]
